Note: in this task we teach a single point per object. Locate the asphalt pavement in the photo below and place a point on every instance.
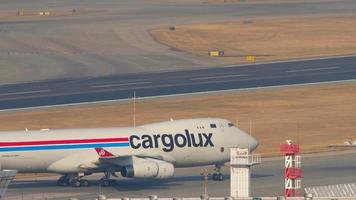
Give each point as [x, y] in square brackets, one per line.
[113, 37]
[153, 84]
[267, 180]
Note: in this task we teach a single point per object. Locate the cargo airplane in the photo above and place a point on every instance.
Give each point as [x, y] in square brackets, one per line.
[147, 151]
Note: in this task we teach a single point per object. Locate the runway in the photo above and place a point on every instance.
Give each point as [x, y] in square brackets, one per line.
[153, 84]
[267, 180]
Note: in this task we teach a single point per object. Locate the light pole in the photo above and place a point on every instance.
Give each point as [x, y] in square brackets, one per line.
[206, 175]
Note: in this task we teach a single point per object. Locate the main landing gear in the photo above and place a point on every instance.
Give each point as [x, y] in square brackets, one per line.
[217, 175]
[106, 181]
[74, 180]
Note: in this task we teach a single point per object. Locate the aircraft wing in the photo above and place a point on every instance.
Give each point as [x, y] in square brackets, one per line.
[106, 157]
[138, 166]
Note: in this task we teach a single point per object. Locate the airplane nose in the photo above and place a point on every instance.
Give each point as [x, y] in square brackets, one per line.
[253, 143]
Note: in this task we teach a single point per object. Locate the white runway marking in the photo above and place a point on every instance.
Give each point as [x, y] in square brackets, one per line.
[312, 69]
[120, 84]
[27, 92]
[216, 77]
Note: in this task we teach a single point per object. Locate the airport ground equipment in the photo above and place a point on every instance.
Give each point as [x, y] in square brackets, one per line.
[241, 162]
[6, 176]
[292, 172]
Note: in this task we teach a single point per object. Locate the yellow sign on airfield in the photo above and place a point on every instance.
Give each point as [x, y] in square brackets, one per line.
[250, 58]
[216, 53]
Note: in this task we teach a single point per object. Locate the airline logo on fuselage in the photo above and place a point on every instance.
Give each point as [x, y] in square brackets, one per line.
[169, 141]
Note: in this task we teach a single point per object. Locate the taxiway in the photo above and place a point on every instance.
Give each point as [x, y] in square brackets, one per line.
[267, 180]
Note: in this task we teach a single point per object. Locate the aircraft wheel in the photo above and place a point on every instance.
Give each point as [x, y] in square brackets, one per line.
[215, 176]
[218, 177]
[63, 181]
[112, 182]
[107, 182]
[75, 183]
[84, 183]
[104, 182]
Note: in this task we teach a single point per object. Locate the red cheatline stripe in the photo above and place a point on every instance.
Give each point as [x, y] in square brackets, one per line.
[4, 144]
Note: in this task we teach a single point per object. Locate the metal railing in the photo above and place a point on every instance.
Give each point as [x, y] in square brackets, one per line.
[246, 159]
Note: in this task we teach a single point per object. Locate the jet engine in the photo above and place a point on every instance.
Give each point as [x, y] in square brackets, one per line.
[148, 168]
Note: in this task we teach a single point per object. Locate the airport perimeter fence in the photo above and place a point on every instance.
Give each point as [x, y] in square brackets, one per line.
[230, 198]
[153, 197]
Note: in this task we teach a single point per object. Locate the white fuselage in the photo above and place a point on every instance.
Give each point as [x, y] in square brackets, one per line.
[184, 143]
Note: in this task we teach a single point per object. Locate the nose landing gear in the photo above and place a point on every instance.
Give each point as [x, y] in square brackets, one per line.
[217, 175]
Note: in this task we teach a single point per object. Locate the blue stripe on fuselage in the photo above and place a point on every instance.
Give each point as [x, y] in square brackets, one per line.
[57, 147]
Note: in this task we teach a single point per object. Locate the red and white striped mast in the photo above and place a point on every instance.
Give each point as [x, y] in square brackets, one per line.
[292, 172]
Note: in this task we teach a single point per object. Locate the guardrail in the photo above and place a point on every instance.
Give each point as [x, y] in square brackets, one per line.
[246, 159]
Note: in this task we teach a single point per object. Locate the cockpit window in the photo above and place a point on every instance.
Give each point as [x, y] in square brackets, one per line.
[212, 125]
[231, 124]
